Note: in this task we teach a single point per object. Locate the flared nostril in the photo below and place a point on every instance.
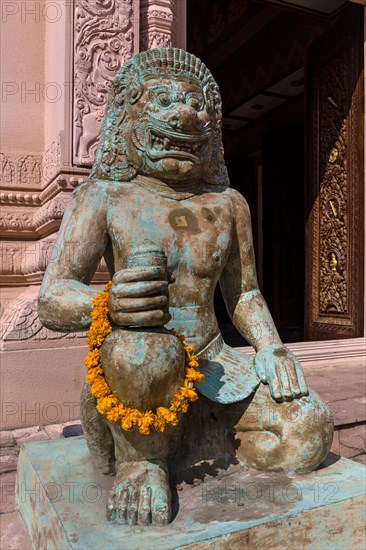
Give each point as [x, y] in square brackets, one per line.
[173, 121]
[185, 119]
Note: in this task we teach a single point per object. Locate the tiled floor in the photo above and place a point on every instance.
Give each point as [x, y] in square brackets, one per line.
[343, 388]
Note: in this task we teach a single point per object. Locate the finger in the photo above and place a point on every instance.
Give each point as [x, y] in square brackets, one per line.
[144, 513]
[171, 277]
[292, 375]
[139, 274]
[139, 289]
[133, 500]
[130, 305]
[284, 381]
[304, 389]
[156, 317]
[260, 369]
[274, 385]
[111, 507]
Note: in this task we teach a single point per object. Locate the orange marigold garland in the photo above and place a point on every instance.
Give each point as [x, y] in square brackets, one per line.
[108, 404]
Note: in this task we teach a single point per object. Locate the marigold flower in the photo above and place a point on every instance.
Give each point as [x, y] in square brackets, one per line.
[144, 423]
[115, 414]
[94, 375]
[173, 419]
[130, 419]
[168, 415]
[163, 412]
[194, 376]
[105, 404]
[159, 424]
[92, 359]
[100, 388]
[189, 394]
[179, 403]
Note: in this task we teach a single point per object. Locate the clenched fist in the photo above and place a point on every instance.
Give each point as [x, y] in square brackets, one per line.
[139, 297]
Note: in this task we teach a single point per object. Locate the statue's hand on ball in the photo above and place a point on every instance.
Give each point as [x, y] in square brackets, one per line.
[139, 297]
[277, 366]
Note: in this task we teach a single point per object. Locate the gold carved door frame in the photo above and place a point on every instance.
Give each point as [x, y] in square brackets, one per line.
[335, 182]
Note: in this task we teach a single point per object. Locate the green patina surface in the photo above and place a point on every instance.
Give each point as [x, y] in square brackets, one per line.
[62, 500]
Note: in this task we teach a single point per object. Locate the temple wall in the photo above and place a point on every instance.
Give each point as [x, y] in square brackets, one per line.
[57, 105]
[23, 77]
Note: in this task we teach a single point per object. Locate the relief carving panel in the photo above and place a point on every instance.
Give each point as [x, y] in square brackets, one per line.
[333, 192]
[21, 327]
[14, 222]
[335, 249]
[20, 171]
[103, 40]
[51, 163]
[7, 170]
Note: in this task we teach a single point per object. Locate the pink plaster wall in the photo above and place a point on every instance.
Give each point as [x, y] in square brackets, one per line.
[22, 75]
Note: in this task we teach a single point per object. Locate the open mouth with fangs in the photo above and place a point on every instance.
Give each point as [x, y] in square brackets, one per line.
[172, 144]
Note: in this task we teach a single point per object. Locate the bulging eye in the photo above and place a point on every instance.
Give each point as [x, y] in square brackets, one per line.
[195, 101]
[163, 99]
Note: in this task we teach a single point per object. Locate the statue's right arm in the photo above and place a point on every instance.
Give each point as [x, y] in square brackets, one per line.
[66, 299]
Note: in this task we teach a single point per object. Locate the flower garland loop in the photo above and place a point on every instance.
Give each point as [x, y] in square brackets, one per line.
[107, 402]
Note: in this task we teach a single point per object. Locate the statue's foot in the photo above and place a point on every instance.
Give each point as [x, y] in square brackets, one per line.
[141, 494]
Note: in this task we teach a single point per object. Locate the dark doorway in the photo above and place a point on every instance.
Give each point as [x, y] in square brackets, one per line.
[257, 50]
[270, 175]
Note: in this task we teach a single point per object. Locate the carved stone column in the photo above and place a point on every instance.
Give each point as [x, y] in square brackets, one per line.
[105, 34]
[158, 24]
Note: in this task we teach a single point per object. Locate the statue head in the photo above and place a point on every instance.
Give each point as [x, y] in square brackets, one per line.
[163, 120]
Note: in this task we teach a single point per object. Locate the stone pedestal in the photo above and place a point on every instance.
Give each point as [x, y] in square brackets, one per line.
[62, 500]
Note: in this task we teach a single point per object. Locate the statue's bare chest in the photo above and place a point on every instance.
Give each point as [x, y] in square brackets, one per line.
[195, 233]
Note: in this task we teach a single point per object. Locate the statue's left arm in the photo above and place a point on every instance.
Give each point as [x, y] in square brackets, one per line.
[275, 364]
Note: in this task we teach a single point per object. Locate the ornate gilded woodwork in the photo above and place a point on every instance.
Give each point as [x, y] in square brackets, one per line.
[335, 183]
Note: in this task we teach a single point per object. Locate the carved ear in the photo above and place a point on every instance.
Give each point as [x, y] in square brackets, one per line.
[114, 164]
[111, 158]
[217, 172]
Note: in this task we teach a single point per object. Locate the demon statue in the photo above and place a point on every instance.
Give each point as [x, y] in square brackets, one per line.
[158, 207]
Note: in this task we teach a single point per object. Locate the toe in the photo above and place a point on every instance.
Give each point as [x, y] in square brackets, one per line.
[111, 511]
[132, 509]
[111, 504]
[121, 515]
[144, 512]
[160, 513]
[160, 507]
